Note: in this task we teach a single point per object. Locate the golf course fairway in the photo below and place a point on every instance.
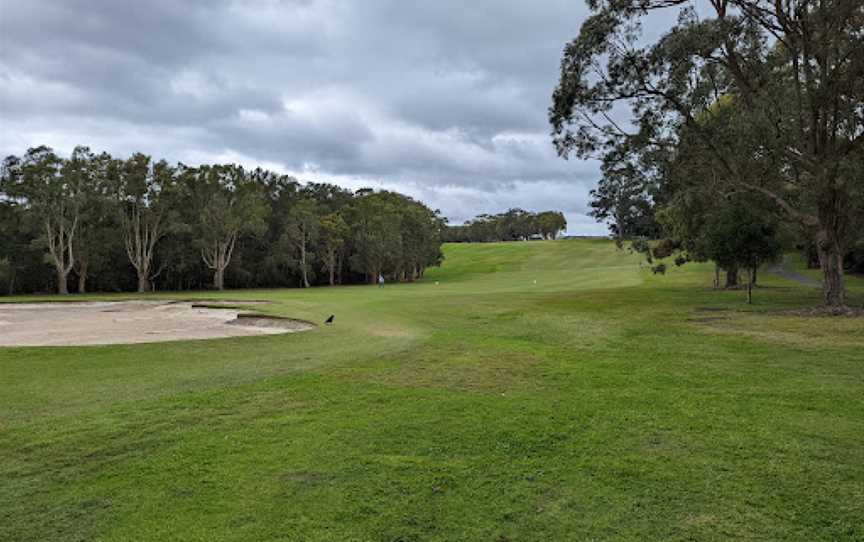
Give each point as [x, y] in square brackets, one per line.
[552, 390]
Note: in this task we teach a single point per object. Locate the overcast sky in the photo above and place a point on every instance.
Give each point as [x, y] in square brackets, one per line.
[443, 100]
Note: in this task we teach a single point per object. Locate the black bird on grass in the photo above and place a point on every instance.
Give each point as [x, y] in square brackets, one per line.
[330, 320]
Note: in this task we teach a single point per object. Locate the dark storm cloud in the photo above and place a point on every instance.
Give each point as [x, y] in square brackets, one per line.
[443, 100]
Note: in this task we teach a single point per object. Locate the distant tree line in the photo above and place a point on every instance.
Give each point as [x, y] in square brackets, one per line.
[744, 131]
[92, 222]
[512, 225]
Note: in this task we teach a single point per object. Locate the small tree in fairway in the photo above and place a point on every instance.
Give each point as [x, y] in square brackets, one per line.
[739, 237]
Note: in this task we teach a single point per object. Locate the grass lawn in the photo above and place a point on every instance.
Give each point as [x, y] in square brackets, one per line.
[600, 403]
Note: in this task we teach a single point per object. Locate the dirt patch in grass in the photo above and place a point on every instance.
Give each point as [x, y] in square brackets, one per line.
[706, 319]
[710, 309]
[391, 332]
[709, 315]
[797, 327]
[848, 312]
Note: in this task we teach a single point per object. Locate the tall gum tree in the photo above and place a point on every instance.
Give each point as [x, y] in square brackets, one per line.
[93, 243]
[51, 190]
[301, 234]
[226, 204]
[551, 224]
[143, 191]
[796, 67]
[377, 236]
[333, 233]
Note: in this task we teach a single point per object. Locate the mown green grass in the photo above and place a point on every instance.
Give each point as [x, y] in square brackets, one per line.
[600, 403]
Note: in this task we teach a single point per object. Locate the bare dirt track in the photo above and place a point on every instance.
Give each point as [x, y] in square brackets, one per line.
[124, 322]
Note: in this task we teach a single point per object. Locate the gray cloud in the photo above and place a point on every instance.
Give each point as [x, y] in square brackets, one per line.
[445, 100]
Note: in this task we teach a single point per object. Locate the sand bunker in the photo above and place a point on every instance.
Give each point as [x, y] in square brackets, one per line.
[122, 322]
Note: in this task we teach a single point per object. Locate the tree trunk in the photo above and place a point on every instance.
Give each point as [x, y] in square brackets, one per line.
[303, 263]
[12, 281]
[218, 259]
[143, 281]
[831, 263]
[62, 287]
[716, 277]
[811, 256]
[219, 278]
[753, 276]
[82, 279]
[750, 283]
[731, 278]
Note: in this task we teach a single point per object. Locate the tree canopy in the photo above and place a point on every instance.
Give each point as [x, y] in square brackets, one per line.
[773, 92]
[143, 224]
[511, 225]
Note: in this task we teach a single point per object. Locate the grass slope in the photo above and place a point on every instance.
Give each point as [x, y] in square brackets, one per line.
[599, 403]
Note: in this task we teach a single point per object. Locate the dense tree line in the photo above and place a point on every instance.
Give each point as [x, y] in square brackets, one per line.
[512, 225]
[745, 130]
[108, 224]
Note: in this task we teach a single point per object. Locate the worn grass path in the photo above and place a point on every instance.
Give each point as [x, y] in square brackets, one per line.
[600, 403]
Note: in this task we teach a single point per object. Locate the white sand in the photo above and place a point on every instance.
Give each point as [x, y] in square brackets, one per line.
[121, 322]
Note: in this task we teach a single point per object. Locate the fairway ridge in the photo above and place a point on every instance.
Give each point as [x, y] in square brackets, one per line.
[471, 405]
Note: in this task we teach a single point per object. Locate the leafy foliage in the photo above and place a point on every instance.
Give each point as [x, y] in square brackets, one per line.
[122, 223]
[772, 91]
[512, 225]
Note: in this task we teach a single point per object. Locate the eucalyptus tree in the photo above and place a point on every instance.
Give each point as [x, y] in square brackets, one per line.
[550, 224]
[16, 251]
[225, 204]
[333, 236]
[143, 190]
[96, 241]
[512, 225]
[300, 235]
[375, 234]
[186, 224]
[25, 268]
[794, 67]
[272, 257]
[50, 190]
[692, 204]
[631, 186]
[328, 198]
[421, 230]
